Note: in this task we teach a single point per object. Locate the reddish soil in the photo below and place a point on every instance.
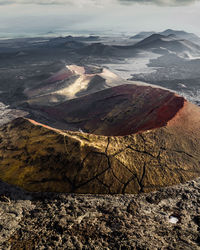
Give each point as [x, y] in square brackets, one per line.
[120, 110]
[60, 76]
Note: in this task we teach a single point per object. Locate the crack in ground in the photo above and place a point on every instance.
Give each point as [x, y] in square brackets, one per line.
[142, 178]
[142, 152]
[81, 166]
[126, 184]
[106, 151]
[88, 181]
[178, 151]
[104, 185]
[116, 177]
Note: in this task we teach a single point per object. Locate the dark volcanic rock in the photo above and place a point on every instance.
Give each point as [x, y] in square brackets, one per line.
[97, 49]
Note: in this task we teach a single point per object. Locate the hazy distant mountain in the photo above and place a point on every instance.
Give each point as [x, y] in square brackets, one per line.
[97, 49]
[76, 38]
[182, 34]
[143, 35]
[169, 44]
[150, 41]
[70, 42]
[178, 33]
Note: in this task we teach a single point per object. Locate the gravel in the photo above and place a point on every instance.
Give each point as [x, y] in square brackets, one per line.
[166, 219]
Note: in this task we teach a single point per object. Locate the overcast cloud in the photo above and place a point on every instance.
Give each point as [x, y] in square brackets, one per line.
[59, 2]
[97, 16]
[160, 2]
[99, 2]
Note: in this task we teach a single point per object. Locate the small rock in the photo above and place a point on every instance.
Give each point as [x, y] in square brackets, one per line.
[197, 220]
[3, 198]
[132, 208]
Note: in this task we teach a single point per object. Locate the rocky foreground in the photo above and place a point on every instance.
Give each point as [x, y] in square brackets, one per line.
[166, 219]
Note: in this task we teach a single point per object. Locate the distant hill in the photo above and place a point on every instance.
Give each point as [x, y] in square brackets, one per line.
[143, 35]
[71, 82]
[170, 44]
[178, 33]
[72, 42]
[150, 41]
[182, 34]
[97, 49]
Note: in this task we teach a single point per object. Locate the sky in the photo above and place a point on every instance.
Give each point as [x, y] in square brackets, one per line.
[98, 16]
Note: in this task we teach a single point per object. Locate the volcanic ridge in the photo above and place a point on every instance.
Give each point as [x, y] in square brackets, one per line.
[70, 82]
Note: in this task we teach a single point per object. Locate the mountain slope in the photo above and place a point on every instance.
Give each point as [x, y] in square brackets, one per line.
[182, 34]
[119, 110]
[178, 33]
[71, 82]
[143, 35]
[170, 44]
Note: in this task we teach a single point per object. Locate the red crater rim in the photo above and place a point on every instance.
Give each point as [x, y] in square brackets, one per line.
[118, 111]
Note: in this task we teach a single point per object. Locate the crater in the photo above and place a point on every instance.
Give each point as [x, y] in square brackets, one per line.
[118, 111]
[41, 159]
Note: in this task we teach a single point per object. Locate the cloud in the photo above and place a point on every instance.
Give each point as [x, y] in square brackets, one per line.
[160, 2]
[99, 2]
[58, 2]
[49, 2]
